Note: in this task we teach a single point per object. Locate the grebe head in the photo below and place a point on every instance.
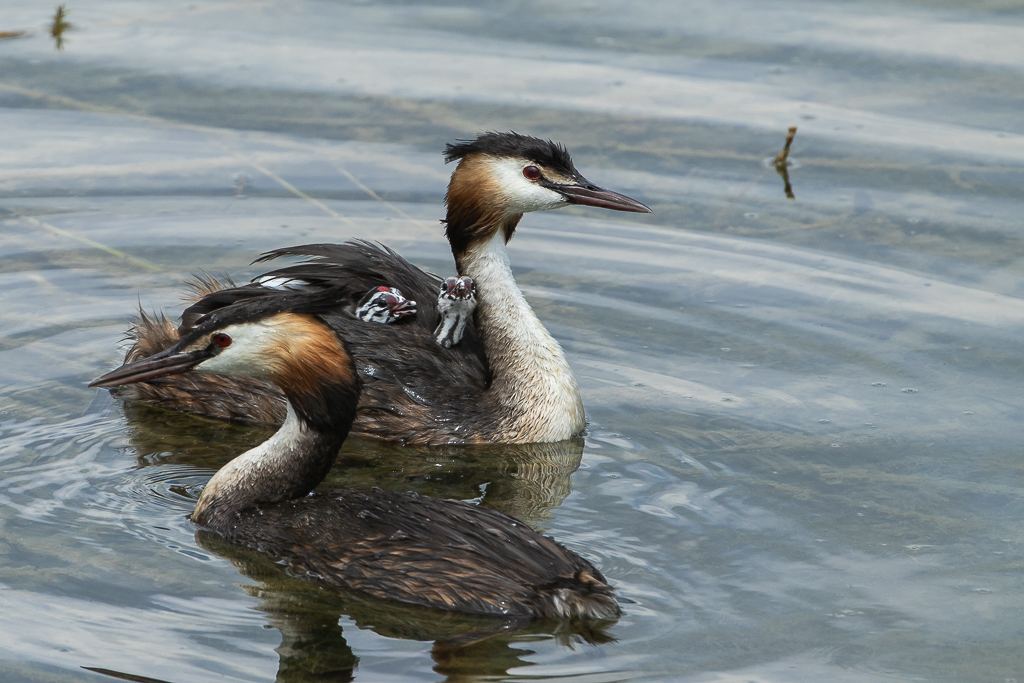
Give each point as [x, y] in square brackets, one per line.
[458, 288]
[501, 176]
[278, 338]
[283, 339]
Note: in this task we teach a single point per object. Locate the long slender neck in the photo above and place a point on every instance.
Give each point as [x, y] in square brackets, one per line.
[533, 382]
[286, 466]
[296, 458]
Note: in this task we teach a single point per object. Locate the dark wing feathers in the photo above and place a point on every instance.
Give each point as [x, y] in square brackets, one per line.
[419, 550]
[417, 397]
[350, 269]
[357, 266]
[413, 389]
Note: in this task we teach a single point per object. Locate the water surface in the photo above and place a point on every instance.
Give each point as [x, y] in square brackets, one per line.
[803, 458]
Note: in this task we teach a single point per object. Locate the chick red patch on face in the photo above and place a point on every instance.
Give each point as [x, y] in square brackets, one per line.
[384, 305]
[458, 287]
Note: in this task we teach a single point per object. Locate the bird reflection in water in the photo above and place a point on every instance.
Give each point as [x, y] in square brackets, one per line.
[313, 646]
[527, 481]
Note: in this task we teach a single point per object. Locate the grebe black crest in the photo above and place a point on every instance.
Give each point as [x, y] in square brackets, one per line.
[415, 549]
[488, 372]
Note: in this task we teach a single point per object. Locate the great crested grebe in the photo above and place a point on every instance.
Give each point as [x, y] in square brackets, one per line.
[415, 549]
[506, 381]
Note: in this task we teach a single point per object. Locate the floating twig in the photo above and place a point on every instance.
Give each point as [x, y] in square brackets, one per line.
[781, 162]
[11, 34]
[59, 26]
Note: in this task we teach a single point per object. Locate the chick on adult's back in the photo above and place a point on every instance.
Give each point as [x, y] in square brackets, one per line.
[506, 381]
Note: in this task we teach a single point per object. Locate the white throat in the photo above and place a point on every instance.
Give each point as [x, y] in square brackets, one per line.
[532, 379]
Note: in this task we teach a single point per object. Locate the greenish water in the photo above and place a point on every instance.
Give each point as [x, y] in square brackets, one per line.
[803, 460]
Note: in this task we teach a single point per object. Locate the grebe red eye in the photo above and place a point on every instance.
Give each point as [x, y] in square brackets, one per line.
[531, 172]
[222, 340]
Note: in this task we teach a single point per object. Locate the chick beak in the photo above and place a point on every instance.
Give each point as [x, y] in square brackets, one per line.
[403, 308]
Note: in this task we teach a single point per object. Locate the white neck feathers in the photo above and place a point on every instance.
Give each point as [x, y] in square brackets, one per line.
[532, 379]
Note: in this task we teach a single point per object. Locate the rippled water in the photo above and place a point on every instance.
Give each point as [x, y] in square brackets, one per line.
[803, 461]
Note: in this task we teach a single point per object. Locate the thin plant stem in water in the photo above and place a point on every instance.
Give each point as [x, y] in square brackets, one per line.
[781, 162]
[59, 26]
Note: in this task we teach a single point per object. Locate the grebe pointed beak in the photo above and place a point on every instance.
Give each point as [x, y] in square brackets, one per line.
[586, 193]
[158, 365]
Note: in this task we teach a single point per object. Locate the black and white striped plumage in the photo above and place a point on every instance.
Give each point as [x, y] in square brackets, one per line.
[384, 305]
[455, 306]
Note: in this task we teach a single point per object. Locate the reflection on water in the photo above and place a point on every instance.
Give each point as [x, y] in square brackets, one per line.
[527, 481]
[803, 460]
[313, 647]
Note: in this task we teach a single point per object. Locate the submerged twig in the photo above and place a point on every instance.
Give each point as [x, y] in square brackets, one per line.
[59, 26]
[781, 162]
[12, 34]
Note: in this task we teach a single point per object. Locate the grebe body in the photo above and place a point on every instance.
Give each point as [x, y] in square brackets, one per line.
[415, 549]
[505, 379]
